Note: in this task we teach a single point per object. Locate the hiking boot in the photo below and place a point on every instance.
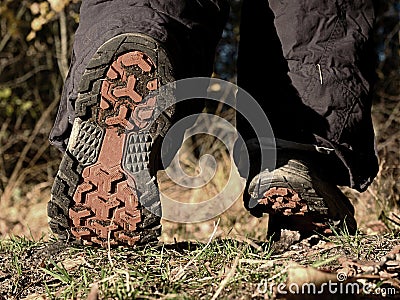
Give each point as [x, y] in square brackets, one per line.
[296, 197]
[105, 191]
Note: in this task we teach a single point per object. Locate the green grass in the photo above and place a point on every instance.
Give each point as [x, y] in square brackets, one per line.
[184, 271]
[222, 268]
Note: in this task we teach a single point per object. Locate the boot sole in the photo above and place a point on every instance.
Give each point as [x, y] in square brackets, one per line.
[303, 203]
[105, 191]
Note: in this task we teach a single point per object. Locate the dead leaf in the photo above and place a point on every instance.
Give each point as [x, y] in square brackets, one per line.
[376, 227]
[300, 275]
[395, 250]
[35, 297]
[94, 292]
[71, 264]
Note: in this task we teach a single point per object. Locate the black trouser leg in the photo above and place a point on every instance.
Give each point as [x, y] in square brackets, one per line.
[189, 30]
[313, 78]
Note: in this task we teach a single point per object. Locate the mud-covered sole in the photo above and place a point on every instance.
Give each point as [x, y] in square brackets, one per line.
[297, 202]
[105, 191]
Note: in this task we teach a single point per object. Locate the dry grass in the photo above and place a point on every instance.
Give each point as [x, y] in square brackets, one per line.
[201, 260]
[26, 214]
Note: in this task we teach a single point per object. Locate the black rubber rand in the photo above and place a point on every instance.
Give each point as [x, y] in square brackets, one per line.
[105, 191]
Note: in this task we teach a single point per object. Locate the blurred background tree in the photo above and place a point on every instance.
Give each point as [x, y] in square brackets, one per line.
[35, 46]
